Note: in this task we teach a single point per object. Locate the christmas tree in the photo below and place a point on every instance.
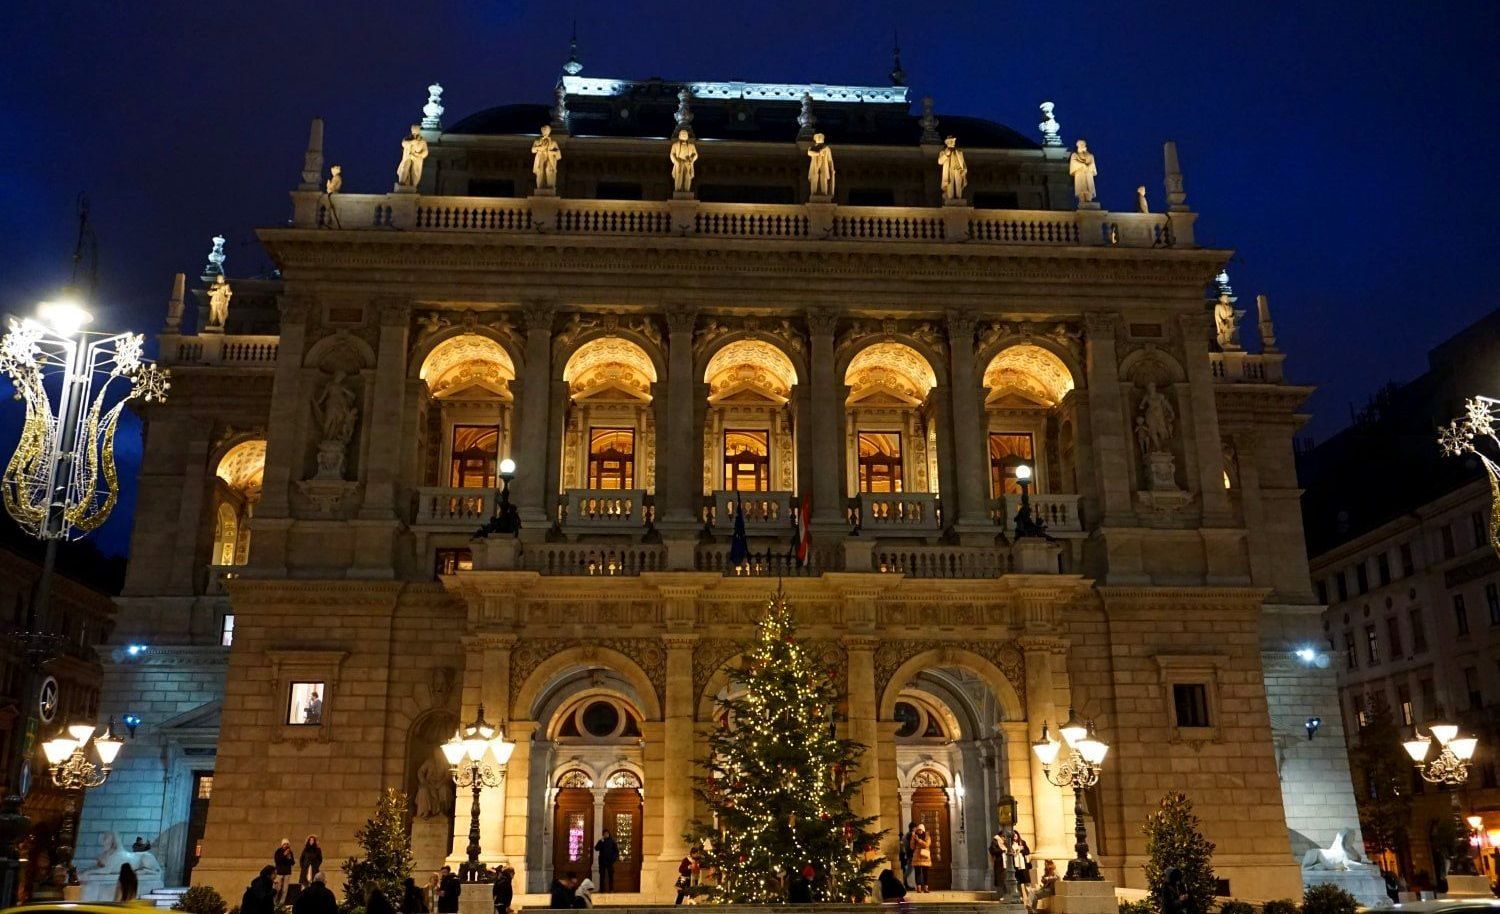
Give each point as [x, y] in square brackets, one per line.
[1173, 841]
[780, 782]
[387, 854]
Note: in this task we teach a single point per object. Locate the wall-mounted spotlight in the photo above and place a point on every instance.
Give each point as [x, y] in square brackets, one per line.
[135, 649]
[131, 722]
[1312, 725]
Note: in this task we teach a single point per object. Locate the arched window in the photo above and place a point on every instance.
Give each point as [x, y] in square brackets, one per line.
[226, 535]
[611, 458]
[747, 461]
[880, 462]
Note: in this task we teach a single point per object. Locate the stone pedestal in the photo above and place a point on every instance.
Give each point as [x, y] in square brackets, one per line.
[430, 840]
[1163, 470]
[1462, 887]
[1094, 896]
[1034, 555]
[544, 208]
[1364, 884]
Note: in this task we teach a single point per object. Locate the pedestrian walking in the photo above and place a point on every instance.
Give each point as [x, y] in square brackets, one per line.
[904, 854]
[583, 897]
[1020, 859]
[316, 898]
[284, 859]
[607, 852]
[684, 878]
[378, 903]
[1174, 896]
[504, 890]
[413, 899]
[999, 864]
[921, 856]
[129, 886]
[449, 888]
[311, 860]
[564, 890]
[891, 888]
[260, 895]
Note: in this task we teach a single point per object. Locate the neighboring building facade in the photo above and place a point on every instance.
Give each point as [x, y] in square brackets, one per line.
[654, 363]
[1410, 580]
[82, 614]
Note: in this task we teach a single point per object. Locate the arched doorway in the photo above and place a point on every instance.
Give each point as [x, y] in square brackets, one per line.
[623, 815]
[573, 826]
[929, 807]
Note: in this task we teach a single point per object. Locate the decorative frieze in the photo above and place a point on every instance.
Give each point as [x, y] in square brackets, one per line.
[1005, 655]
[530, 653]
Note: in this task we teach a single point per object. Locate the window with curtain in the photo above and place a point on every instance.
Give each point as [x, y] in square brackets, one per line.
[1009, 450]
[747, 461]
[475, 450]
[879, 461]
[611, 458]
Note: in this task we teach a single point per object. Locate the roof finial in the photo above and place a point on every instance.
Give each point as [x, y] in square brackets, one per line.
[898, 75]
[574, 66]
[684, 115]
[216, 258]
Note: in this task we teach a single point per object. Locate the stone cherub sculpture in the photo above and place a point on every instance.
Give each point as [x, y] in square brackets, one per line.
[1141, 206]
[545, 154]
[413, 152]
[1084, 169]
[955, 177]
[1159, 417]
[335, 180]
[684, 156]
[219, 295]
[820, 172]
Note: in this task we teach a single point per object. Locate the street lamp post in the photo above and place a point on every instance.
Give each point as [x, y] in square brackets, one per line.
[71, 769]
[1026, 523]
[1078, 769]
[465, 753]
[506, 518]
[1449, 767]
[59, 484]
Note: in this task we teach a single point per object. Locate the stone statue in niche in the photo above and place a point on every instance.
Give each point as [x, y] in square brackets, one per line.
[219, 295]
[820, 167]
[1155, 422]
[545, 154]
[434, 789]
[1226, 324]
[684, 156]
[955, 171]
[413, 152]
[336, 413]
[1084, 169]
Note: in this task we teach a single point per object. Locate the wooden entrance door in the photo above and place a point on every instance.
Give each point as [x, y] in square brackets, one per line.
[573, 833]
[622, 816]
[929, 806]
[203, 788]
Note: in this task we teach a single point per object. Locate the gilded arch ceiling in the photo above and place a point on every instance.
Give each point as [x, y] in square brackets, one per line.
[750, 363]
[243, 467]
[894, 366]
[609, 362]
[1031, 370]
[466, 361]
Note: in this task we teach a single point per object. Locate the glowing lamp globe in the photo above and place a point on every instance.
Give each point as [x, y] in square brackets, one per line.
[453, 751]
[81, 732]
[1092, 750]
[1073, 729]
[502, 748]
[1464, 747]
[1417, 748]
[108, 746]
[57, 750]
[65, 316]
[1023, 473]
[1443, 732]
[507, 468]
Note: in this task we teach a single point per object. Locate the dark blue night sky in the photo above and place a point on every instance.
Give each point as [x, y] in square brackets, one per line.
[1344, 150]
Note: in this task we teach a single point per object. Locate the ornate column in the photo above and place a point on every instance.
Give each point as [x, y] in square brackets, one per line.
[1205, 420]
[1047, 801]
[971, 501]
[534, 423]
[1107, 415]
[827, 452]
[284, 433]
[386, 434]
[863, 714]
[677, 795]
[674, 486]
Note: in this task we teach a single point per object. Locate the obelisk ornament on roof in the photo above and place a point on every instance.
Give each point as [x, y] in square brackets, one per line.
[929, 123]
[684, 156]
[545, 154]
[684, 115]
[413, 153]
[216, 257]
[820, 171]
[955, 176]
[806, 120]
[1084, 169]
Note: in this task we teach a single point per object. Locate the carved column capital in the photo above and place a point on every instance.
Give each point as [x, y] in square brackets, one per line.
[394, 313]
[821, 322]
[961, 326]
[293, 308]
[1101, 324]
[681, 320]
[537, 316]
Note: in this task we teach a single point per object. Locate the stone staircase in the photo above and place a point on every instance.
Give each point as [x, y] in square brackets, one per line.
[164, 898]
[633, 903]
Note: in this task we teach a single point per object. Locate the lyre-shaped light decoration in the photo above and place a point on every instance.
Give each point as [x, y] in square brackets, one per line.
[61, 482]
[1451, 764]
[1476, 434]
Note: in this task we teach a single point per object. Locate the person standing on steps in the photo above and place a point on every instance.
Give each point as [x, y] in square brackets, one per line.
[283, 860]
[905, 854]
[311, 860]
[504, 891]
[449, 888]
[413, 900]
[921, 856]
[608, 853]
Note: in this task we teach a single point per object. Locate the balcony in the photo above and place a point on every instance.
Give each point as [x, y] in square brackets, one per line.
[1058, 512]
[218, 349]
[773, 222]
[218, 578]
[898, 514]
[765, 512]
[605, 510]
[459, 509]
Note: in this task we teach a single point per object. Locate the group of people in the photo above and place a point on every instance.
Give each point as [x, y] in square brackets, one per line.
[272, 888]
[1010, 857]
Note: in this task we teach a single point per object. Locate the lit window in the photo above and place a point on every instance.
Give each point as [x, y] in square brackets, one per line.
[452, 561]
[475, 450]
[1190, 701]
[611, 458]
[879, 461]
[305, 705]
[1372, 645]
[747, 461]
[1008, 450]
[226, 630]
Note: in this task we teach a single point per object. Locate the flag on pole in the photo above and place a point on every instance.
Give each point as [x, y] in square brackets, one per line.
[804, 529]
[739, 543]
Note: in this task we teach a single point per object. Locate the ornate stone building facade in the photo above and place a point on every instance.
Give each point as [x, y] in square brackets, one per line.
[873, 363]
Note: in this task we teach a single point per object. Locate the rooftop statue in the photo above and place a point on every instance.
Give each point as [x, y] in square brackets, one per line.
[218, 301]
[1141, 206]
[1225, 326]
[1084, 169]
[413, 152]
[820, 171]
[955, 171]
[545, 154]
[684, 155]
[335, 180]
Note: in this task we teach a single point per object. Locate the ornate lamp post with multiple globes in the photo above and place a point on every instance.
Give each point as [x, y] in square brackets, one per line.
[506, 518]
[60, 484]
[71, 769]
[465, 753]
[1078, 769]
[1450, 768]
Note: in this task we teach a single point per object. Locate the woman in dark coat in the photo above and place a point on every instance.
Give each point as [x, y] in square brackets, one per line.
[311, 859]
[129, 887]
[378, 903]
[413, 899]
[504, 891]
[891, 888]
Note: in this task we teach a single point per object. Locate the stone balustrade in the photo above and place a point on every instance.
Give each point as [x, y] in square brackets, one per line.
[941, 561]
[464, 509]
[219, 349]
[589, 560]
[1239, 367]
[761, 221]
[1058, 512]
[605, 509]
[897, 513]
[218, 578]
[765, 512]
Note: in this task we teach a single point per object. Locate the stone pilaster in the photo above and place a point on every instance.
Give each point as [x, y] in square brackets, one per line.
[675, 487]
[284, 432]
[970, 500]
[827, 450]
[677, 795]
[386, 433]
[533, 424]
[195, 486]
[1048, 804]
[1107, 411]
[1205, 420]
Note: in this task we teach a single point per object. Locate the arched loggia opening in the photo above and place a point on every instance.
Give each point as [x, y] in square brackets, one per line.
[1029, 420]
[609, 435]
[891, 437]
[749, 442]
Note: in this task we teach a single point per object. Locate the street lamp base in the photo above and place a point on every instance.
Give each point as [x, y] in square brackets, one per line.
[475, 872]
[1083, 871]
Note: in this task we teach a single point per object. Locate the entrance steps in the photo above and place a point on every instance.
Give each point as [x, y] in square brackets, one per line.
[164, 898]
[638, 903]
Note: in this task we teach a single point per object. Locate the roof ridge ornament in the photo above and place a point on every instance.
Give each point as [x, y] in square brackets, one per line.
[684, 115]
[432, 112]
[574, 66]
[1176, 193]
[929, 123]
[216, 258]
[898, 75]
[560, 112]
[1050, 128]
[806, 119]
